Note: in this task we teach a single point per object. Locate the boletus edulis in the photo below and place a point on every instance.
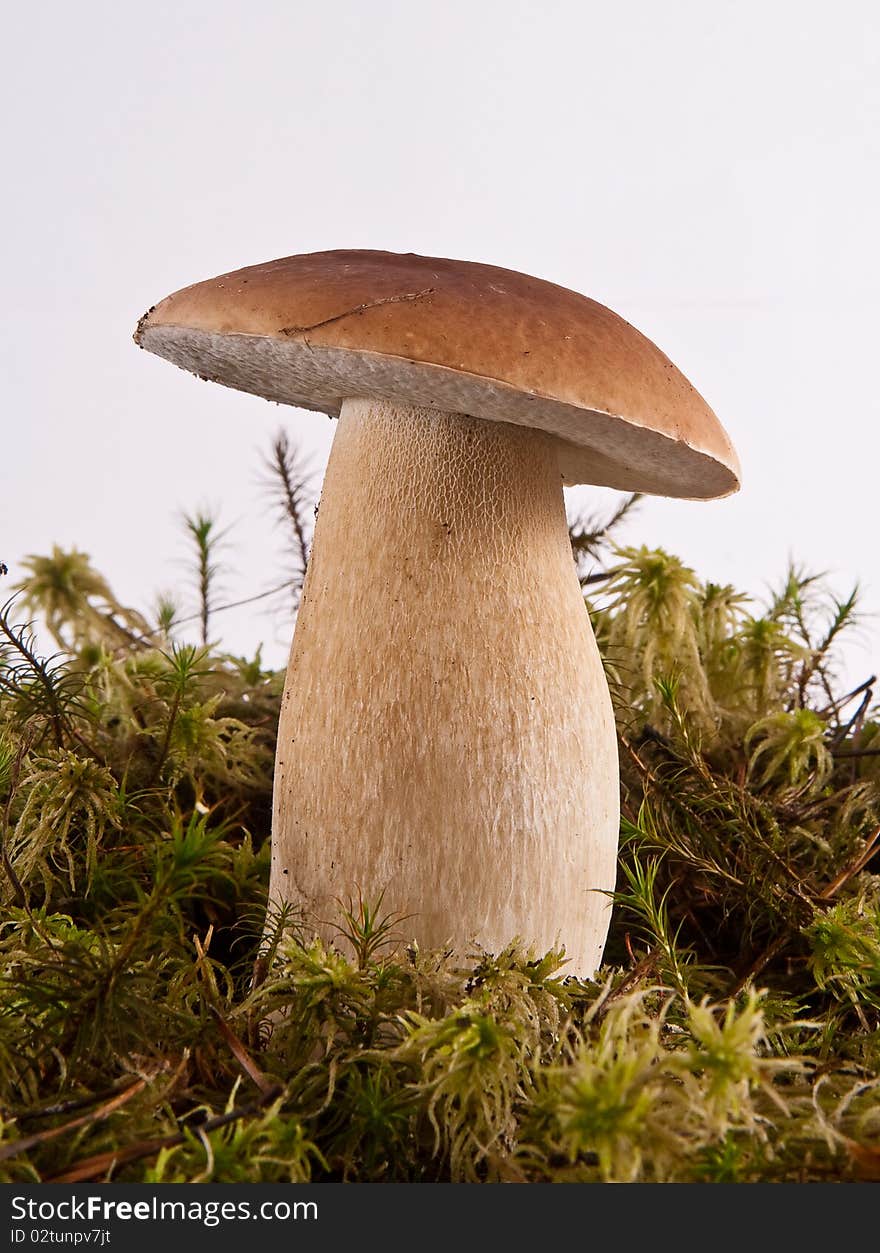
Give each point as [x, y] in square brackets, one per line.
[446, 735]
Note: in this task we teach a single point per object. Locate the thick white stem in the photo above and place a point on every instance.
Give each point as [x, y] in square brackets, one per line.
[446, 734]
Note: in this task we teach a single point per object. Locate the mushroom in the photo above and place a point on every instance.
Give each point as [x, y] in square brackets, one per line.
[446, 740]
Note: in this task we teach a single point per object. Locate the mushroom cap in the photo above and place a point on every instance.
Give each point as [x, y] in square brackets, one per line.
[315, 329]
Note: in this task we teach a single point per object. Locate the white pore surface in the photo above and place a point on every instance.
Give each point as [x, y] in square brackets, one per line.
[592, 447]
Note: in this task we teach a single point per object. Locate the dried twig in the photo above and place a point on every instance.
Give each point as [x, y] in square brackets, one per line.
[101, 1163]
[858, 863]
[67, 1107]
[26, 1143]
[268, 1089]
[634, 976]
[824, 897]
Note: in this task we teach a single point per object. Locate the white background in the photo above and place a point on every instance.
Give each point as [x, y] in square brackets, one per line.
[709, 170]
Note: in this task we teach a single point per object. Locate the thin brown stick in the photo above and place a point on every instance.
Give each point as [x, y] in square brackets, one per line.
[100, 1163]
[27, 1143]
[840, 701]
[640, 765]
[67, 1107]
[858, 863]
[763, 959]
[90, 1167]
[824, 897]
[855, 723]
[640, 971]
[267, 1088]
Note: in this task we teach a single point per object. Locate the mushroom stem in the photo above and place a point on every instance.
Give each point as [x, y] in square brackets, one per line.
[446, 734]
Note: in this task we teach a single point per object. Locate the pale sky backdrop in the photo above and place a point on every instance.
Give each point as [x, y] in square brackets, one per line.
[709, 170]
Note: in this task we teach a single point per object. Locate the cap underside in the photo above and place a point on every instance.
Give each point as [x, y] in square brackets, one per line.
[594, 447]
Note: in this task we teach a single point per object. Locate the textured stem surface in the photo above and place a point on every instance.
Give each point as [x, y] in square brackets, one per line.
[446, 732]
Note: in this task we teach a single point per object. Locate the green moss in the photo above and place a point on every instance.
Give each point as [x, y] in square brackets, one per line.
[149, 1030]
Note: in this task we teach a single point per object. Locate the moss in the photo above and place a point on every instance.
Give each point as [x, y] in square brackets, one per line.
[149, 1030]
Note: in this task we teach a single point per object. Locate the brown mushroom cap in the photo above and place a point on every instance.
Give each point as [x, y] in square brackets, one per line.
[315, 329]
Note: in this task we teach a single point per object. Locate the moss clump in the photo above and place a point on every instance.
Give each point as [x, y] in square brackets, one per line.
[150, 1032]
